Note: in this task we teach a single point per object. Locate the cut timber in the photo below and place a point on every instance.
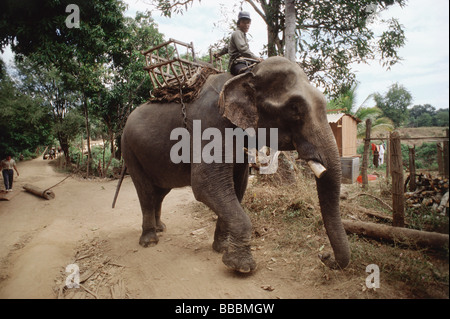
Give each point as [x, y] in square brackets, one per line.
[44, 193]
[396, 234]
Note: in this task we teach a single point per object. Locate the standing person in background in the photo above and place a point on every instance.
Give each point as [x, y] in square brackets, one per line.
[7, 171]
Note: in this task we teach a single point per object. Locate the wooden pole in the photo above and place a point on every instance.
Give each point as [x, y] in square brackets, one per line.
[440, 160]
[446, 155]
[398, 201]
[388, 159]
[412, 169]
[365, 163]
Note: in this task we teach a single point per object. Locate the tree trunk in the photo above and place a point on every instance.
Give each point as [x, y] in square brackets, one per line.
[291, 16]
[397, 234]
[88, 136]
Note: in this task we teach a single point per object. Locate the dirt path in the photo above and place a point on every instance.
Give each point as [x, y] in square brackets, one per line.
[40, 238]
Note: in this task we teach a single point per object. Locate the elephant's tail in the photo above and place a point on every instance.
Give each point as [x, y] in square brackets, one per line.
[122, 175]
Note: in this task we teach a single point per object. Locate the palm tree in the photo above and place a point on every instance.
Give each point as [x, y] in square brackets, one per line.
[346, 103]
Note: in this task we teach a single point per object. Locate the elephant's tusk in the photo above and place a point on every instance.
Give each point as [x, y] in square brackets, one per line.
[317, 168]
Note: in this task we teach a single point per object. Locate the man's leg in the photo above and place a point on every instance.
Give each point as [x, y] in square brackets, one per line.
[11, 178]
[237, 67]
[5, 178]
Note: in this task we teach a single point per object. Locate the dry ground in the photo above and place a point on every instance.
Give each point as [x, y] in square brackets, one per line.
[41, 238]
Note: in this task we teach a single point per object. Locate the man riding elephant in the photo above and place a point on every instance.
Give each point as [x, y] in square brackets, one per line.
[238, 47]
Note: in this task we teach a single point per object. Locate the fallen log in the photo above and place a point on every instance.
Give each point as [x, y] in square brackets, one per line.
[397, 234]
[44, 193]
[369, 212]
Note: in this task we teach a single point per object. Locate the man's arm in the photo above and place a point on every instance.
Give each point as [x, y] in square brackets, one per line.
[15, 167]
[242, 46]
[221, 52]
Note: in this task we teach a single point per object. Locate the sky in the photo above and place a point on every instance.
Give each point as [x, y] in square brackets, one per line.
[424, 70]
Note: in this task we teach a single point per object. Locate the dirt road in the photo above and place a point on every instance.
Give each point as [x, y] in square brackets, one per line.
[41, 238]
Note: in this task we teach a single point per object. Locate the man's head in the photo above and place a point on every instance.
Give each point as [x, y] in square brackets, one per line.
[244, 21]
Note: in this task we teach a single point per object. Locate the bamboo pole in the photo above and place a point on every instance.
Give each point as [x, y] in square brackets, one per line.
[398, 200]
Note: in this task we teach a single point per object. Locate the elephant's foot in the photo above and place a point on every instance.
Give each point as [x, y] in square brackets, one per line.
[220, 245]
[161, 227]
[148, 238]
[328, 260]
[239, 259]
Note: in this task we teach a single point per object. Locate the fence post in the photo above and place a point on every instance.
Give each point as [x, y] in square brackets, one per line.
[440, 159]
[365, 163]
[412, 169]
[388, 159]
[446, 155]
[398, 199]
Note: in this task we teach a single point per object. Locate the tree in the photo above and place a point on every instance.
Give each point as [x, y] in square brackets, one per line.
[395, 103]
[346, 103]
[419, 115]
[31, 26]
[126, 83]
[331, 35]
[442, 118]
[46, 84]
[25, 121]
[291, 15]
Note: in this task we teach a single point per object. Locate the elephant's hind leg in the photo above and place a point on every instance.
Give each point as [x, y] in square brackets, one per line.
[151, 203]
[150, 199]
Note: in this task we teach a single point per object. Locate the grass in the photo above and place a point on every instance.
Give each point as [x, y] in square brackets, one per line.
[289, 217]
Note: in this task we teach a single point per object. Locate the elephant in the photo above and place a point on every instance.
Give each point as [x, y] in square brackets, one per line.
[276, 93]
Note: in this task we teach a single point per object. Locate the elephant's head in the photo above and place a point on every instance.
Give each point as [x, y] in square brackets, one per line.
[278, 94]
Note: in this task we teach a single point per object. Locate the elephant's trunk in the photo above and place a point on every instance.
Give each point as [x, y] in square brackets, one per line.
[327, 168]
[328, 188]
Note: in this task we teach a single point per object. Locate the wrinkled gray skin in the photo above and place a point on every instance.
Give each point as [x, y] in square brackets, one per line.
[276, 94]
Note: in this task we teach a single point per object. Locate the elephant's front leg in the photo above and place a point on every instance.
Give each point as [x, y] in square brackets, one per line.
[240, 178]
[213, 185]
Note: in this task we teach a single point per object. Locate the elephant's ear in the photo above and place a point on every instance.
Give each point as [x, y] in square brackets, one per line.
[237, 101]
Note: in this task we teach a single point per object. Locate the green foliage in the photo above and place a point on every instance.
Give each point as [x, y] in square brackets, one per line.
[395, 103]
[31, 26]
[330, 35]
[427, 115]
[442, 118]
[25, 122]
[101, 155]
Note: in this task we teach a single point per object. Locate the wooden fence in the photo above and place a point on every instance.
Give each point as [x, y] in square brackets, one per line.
[394, 166]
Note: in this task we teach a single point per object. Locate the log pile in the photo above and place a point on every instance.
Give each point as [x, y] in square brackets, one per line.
[431, 192]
